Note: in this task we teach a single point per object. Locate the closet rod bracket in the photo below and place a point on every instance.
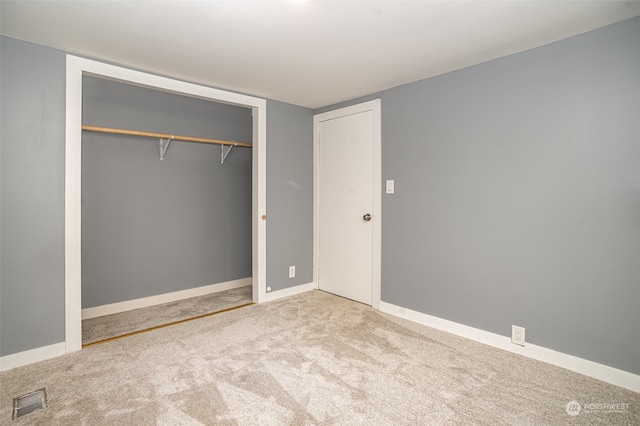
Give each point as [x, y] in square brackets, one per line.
[164, 145]
[223, 155]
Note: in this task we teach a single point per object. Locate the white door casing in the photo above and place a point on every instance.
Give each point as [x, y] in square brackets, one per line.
[76, 68]
[347, 185]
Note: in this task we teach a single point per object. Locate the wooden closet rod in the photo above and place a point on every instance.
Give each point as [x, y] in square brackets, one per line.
[163, 136]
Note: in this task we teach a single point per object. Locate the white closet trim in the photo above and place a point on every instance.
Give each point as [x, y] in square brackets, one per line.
[76, 68]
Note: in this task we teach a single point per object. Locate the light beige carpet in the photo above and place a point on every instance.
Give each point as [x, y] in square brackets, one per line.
[310, 359]
[108, 326]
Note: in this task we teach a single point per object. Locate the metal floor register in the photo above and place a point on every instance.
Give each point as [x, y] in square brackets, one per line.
[29, 403]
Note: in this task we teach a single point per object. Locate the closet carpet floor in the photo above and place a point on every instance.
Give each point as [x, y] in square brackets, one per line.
[124, 323]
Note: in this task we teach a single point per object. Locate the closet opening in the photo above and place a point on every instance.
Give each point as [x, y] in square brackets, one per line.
[166, 220]
[153, 222]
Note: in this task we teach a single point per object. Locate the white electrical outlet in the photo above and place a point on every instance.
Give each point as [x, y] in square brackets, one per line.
[292, 271]
[517, 335]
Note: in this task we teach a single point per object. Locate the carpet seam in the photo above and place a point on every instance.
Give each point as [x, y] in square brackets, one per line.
[157, 327]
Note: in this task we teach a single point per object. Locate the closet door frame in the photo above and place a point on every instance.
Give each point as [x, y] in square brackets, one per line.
[76, 68]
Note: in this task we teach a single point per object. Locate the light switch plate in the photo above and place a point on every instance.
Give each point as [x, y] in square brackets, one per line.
[391, 187]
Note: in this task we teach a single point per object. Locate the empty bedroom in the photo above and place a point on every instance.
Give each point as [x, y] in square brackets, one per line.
[320, 212]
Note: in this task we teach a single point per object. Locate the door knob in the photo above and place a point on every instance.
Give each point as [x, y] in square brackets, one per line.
[366, 217]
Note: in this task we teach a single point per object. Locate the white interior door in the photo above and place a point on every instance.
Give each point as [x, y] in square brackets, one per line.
[346, 209]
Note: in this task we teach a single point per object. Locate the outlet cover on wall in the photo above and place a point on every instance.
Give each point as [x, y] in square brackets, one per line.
[517, 335]
[292, 271]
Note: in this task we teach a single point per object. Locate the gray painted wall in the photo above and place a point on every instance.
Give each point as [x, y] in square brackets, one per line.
[518, 195]
[289, 194]
[32, 191]
[32, 194]
[149, 226]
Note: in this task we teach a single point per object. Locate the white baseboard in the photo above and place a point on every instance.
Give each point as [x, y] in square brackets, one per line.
[127, 305]
[286, 292]
[579, 365]
[33, 355]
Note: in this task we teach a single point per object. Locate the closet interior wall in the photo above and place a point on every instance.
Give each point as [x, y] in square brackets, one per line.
[152, 226]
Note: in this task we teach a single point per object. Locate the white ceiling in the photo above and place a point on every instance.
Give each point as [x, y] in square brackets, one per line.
[311, 53]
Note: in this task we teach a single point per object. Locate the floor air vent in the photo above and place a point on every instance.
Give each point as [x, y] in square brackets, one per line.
[29, 403]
